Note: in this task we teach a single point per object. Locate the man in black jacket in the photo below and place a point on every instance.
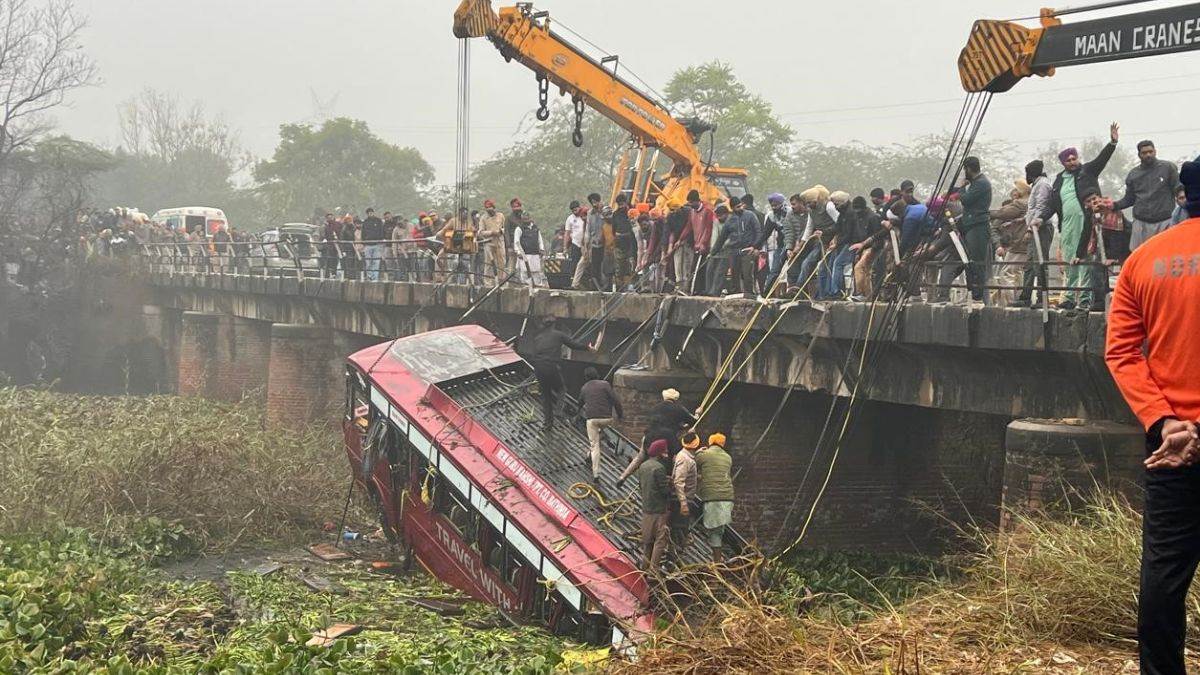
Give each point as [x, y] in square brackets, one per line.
[543, 352]
[666, 421]
[739, 232]
[1066, 202]
[1150, 190]
[773, 224]
[373, 246]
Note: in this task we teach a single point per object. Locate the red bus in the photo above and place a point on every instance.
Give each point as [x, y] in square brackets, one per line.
[445, 437]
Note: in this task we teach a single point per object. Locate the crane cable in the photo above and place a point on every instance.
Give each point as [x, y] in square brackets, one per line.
[462, 160]
[1085, 8]
[974, 108]
[716, 389]
[970, 120]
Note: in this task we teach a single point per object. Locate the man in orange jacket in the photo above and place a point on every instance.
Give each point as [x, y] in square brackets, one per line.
[1157, 304]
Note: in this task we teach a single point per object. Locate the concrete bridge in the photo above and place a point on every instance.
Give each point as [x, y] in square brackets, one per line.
[926, 443]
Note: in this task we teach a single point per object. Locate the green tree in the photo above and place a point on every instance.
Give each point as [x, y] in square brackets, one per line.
[546, 171]
[747, 135]
[340, 164]
[49, 182]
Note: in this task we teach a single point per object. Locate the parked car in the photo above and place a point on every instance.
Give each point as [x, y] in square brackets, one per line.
[287, 249]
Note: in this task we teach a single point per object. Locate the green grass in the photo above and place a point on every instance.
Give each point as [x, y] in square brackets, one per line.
[70, 605]
[853, 586]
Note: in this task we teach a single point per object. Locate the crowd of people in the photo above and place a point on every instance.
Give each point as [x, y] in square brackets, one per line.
[1055, 233]
[121, 231]
[479, 247]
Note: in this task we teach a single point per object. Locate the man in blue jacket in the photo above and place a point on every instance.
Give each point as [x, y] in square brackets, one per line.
[738, 232]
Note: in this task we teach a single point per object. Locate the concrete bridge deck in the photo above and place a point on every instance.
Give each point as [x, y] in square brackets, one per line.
[990, 360]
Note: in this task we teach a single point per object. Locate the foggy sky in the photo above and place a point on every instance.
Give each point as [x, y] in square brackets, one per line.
[393, 64]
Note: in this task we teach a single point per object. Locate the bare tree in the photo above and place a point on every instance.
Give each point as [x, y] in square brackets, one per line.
[154, 124]
[41, 61]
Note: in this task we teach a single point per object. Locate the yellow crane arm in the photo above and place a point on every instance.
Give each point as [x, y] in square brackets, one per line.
[1000, 53]
[521, 34]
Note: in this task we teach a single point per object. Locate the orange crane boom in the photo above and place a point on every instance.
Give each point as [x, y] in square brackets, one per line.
[524, 35]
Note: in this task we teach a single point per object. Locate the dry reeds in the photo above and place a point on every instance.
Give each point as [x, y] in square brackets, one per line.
[114, 464]
[1053, 595]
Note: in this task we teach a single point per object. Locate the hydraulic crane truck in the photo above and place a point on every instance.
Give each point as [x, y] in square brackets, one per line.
[521, 33]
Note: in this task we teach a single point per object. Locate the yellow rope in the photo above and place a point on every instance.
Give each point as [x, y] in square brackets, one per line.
[612, 509]
[707, 403]
[841, 434]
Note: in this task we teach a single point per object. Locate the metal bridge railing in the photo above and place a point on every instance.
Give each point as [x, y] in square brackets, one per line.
[377, 260]
[1098, 281]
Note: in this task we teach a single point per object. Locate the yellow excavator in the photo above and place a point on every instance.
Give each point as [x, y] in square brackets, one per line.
[1000, 53]
[525, 35]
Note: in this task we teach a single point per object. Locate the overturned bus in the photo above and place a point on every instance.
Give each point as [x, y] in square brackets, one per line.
[445, 436]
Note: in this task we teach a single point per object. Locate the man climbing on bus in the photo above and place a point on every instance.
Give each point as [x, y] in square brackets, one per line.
[543, 353]
[655, 491]
[599, 405]
[666, 420]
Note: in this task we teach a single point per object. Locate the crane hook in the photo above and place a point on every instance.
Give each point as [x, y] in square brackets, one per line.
[577, 135]
[543, 111]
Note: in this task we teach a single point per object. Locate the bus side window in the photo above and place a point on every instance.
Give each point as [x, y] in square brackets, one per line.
[399, 456]
[490, 547]
[356, 396]
[512, 567]
[457, 511]
[539, 607]
[441, 502]
[424, 482]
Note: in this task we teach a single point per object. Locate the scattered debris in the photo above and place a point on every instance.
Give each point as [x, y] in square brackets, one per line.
[388, 567]
[322, 585]
[324, 637]
[442, 607]
[328, 552]
[267, 568]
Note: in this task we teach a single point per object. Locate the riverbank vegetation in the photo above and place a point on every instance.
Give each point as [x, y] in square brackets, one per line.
[1055, 595]
[106, 499]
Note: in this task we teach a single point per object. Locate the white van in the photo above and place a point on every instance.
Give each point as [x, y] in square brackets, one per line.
[202, 219]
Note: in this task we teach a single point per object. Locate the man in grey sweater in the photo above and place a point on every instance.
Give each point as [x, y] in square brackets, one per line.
[599, 403]
[1150, 190]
